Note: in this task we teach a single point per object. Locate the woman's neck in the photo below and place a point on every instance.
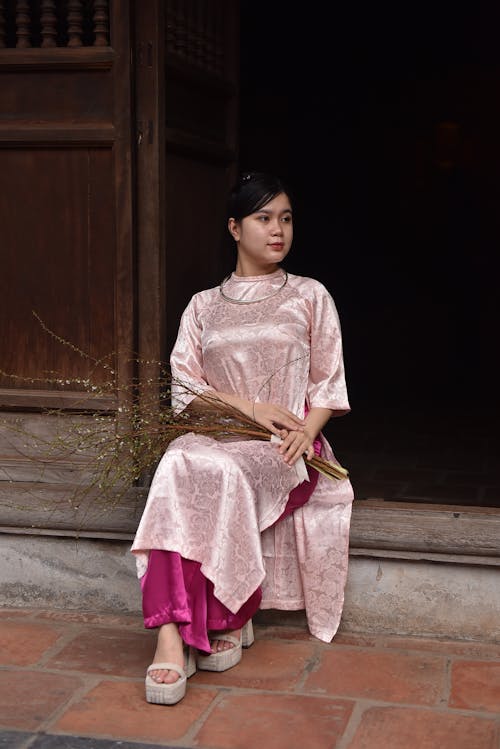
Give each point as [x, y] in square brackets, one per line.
[249, 269]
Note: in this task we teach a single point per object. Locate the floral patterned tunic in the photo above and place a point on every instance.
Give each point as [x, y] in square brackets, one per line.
[216, 502]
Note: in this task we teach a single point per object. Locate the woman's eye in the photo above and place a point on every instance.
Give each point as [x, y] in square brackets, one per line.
[263, 218]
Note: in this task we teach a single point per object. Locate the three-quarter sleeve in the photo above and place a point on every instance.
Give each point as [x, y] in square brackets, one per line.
[327, 385]
[186, 360]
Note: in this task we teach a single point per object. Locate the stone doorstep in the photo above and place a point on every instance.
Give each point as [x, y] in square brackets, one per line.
[384, 595]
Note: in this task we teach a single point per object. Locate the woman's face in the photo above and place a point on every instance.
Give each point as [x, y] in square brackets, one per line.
[264, 238]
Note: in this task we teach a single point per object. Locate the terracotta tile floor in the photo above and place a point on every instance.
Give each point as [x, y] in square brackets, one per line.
[75, 681]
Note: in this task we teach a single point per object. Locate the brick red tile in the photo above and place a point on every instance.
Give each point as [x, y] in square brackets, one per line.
[119, 709]
[23, 643]
[476, 685]
[274, 721]
[133, 621]
[106, 651]
[379, 675]
[7, 613]
[468, 648]
[28, 698]
[268, 664]
[400, 728]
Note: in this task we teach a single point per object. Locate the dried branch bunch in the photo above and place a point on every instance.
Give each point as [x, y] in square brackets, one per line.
[120, 448]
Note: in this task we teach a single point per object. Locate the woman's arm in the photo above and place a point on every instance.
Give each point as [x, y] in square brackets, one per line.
[277, 419]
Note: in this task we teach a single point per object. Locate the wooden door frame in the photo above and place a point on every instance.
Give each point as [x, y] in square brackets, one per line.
[149, 147]
[125, 322]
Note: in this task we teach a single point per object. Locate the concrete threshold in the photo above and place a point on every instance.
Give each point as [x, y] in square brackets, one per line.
[443, 597]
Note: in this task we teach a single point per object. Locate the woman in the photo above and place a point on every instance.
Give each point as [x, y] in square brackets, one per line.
[233, 526]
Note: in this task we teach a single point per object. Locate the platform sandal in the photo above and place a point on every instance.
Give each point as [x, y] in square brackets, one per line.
[225, 659]
[159, 693]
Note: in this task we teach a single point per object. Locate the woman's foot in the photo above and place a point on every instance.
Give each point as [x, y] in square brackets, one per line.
[218, 645]
[166, 677]
[169, 648]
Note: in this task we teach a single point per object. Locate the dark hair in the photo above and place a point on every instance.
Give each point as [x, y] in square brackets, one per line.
[252, 191]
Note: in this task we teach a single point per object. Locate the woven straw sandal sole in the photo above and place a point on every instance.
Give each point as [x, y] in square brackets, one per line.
[247, 636]
[170, 694]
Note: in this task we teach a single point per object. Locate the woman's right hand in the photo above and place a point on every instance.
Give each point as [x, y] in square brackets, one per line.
[276, 418]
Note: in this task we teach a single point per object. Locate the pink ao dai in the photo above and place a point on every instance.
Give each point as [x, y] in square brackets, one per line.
[217, 502]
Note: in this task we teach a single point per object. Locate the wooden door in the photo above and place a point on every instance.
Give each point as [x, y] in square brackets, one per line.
[66, 243]
[118, 142]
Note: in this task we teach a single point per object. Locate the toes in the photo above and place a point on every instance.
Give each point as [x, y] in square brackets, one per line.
[219, 645]
[171, 678]
[164, 677]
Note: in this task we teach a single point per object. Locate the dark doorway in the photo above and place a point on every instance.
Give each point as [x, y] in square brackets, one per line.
[385, 120]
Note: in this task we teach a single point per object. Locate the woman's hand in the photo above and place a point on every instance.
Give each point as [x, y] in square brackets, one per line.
[295, 444]
[279, 420]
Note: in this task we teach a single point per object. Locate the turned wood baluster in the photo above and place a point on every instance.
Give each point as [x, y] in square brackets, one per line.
[2, 24]
[48, 20]
[23, 23]
[75, 23]
[101, 23]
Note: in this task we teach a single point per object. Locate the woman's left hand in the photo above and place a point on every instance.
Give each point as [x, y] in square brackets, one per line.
[295, 445]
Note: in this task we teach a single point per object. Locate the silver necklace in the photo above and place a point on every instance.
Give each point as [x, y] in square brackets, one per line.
[250, 301]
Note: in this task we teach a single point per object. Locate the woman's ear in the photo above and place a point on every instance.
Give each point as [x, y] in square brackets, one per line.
[234, 229]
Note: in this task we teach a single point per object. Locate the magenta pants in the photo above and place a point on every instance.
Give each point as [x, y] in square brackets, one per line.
[175, 590]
